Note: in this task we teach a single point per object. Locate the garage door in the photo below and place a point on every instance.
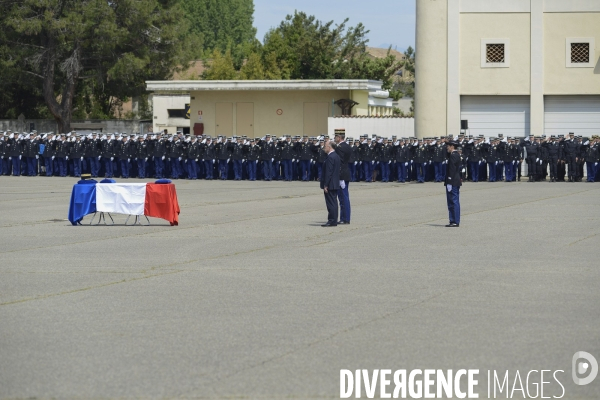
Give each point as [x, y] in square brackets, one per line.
[491, 115]
[578, 114]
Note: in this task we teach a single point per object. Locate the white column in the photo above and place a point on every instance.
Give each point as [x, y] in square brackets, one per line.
[453, 99]
[431, 67]
[537, 68]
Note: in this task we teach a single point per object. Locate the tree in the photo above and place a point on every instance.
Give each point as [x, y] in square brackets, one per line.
[273, 69]
[306, 48]
[221, 67]
[222, 25]
[409, 87]
[108, 48]
[302, 47]
[409, 60]
[253, 68]
[18, 92]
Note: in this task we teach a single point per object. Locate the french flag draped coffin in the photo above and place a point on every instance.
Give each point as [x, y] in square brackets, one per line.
[149, 199]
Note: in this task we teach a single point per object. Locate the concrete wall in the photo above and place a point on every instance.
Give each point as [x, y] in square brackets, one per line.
[362, 98]
[47, 125]
[514, 80]
[385, 127]
[431, 67]
[558, 78]
[290, 121]
[40, 125]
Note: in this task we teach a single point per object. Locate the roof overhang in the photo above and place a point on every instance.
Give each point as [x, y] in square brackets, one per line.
[280, 85]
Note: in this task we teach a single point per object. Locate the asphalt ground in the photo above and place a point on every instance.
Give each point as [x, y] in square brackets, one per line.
[250, 298]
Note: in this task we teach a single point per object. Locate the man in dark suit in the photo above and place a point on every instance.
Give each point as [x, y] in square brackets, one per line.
[330, 183]
[453, 184]
[344, 151]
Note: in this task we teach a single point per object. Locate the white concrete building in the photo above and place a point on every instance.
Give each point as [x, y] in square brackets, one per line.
[512, 66]
[255, 108]
[169, 112]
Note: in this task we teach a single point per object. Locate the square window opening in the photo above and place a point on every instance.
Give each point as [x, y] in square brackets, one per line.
[580, 53]
[495, 53]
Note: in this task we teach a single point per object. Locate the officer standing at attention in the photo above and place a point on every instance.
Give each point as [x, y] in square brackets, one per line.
[420, 156]
[160, 151]
[453, 184]
[303, 149]
[76, 153]
[14, 151]
[93, 153]
[554, 154]
[570, 148]
[253, 154]
[62, 155]
[267, 156]
[141, 155]
[236, 149]
[287, 154]
[532, 147]
[366, 157]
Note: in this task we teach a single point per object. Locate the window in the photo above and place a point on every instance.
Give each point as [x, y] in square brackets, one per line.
[176, 113]
[495, 53]
[580, 53]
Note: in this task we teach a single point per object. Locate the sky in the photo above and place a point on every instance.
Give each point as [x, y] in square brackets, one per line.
[390, 22]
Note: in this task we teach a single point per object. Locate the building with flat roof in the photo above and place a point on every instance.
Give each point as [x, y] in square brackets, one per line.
[256, 108]
[513, 67]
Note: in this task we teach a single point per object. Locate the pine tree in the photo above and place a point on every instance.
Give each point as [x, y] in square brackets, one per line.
[253, 68]
[221, 67]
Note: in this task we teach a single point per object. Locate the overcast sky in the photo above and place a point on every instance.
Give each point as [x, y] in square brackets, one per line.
[391, 22]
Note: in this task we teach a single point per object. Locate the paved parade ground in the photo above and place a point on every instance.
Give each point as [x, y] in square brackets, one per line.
[250, 298]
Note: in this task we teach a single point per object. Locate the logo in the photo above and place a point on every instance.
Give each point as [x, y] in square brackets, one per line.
[581, 367]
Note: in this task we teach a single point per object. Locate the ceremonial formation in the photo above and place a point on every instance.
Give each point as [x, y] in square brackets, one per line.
[566, 157]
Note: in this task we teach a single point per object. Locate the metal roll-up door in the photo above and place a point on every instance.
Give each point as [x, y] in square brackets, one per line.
[577, 114]
[491, 115]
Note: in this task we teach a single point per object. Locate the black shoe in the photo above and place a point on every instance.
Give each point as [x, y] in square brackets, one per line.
[328, 225]
[343, 223]
[452, 225]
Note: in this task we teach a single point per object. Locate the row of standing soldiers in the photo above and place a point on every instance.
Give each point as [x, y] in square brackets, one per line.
[298, 158]
[543, 156]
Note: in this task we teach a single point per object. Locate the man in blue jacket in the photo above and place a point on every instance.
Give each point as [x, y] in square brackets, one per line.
[344, 151]
[330, 183]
